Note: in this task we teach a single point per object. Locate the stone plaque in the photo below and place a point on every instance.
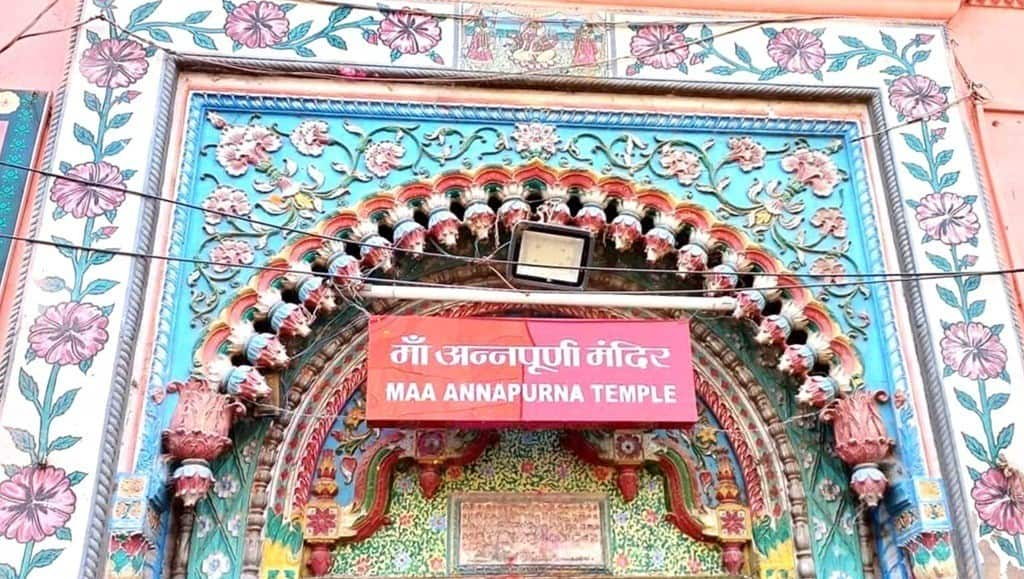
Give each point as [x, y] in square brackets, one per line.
[499, 532]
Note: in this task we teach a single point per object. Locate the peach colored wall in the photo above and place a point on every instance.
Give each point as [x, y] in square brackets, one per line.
[35, 63]
[987, 41]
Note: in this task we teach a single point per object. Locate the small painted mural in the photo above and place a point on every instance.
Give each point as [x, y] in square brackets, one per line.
[21, 121]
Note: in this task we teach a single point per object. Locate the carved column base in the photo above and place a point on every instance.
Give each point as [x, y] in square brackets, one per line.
[319, 559]
[128, 556]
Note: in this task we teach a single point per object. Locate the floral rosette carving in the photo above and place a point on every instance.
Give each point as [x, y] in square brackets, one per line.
[660, 240]
[591, 215]
[478, 217]
[442, 224]
[626, 229]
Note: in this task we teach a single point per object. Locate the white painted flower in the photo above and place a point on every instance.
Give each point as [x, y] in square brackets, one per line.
[382, 157]
[819, 529]
[9, 102]
[309, 137]
[535, 139]
[216, 565]
[225, 487]
[225, 200]
[250, 449]
[235, 525]
[683, 165]
[204, 525]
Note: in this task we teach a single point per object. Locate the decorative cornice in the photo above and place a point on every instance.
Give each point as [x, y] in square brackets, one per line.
[995, 3]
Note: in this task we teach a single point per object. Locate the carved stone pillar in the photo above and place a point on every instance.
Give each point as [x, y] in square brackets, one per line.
[861, 442]
[732, 517]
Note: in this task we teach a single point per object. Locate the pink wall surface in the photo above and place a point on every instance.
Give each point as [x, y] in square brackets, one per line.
[986, 41]
[35, 63]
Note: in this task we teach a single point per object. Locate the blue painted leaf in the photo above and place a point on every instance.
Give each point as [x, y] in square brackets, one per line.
[128, 174]
[235, 46]
[966, 401]
[6, 571]
[107, 310]
[943, 157]
[947, 372]
[975, 446]
[58, 213]
[707, 37]
[337, 42]
[889, 42]
[92, 102]
[722, 70]
[111, 215]
[286, 7]
[46, 557]
[913, 204]
[203, 41]
[63, 404]
[769, 31]
[27, 386]
[975, 475]
[150, 51]
[63, 533]
[29, 355]
[742, 54]
[92, 37]
[338, 14]
[839, 64]
[867, 60]
[949, 179]
[913, 142]
[228, 5]
[1005, 437]
[84, 365]
[65, 167]
[299, 31]
[970, 199]
[98, 257]
[304, 52]
[683, 68]
[949, 297]
[395, 54]
[115, 147]
[997, 401]
[939, 262]
[159, 34]
[99, 286]
[921, 56]
[770, 73]
[1004, 376]
[817, 75]
[977, 308]
[76, 477]
[23, 440]
[120, 120]
[65, 251]
[984, 528]
[996, 329]
[818, 32]
[972, 282]
[64, 442]
[1006, 545]
[11, 469]
[142, 12]
[917, 171]
[973, 242]
[893, 70]
[197, 17]
[84, 135]
[852, 42]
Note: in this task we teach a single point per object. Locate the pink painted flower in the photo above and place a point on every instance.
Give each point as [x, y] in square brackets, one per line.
[830, 221]
[35, 502]
[243, 146]
[973, 351]
[81, 200]
[797, 50]
[362, 565]
[257, 24]
[659, 45]
[622, 561]
[436, 564]
[999, 498]
[814, 169]
[68, 333]
[227, 200]
[732, 522]
[382, 157]
[309, 137]
[746, 152]
[230, 252]
[684, 165]
[114, 63]
[651, 516]
[409, 32]
[535, 139]
[405, 520]
[830, 268]
[948, 218]
[527, 467]
[321, 521]
[917, 97]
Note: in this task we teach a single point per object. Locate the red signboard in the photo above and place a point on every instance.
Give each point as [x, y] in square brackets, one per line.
[536, 372]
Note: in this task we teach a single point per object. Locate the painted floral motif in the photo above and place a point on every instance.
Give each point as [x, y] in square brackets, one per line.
[230, 252]
[917, 97]
[216, 565]
[83, 200]
[310, 137]
[830, 268]
[535, 139]
[973, 351]
[257, 24]
[830, 221]
[747, 153]
[114, 63]
[947, 217]
[814, 169]
[409, 32]
[660, 46]
[320, 521]
[684, 165]
[382, 157]
[35, 503]
[68, 333]
[999, 499]
[227, 200]
[797, 50]
[225, 487]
